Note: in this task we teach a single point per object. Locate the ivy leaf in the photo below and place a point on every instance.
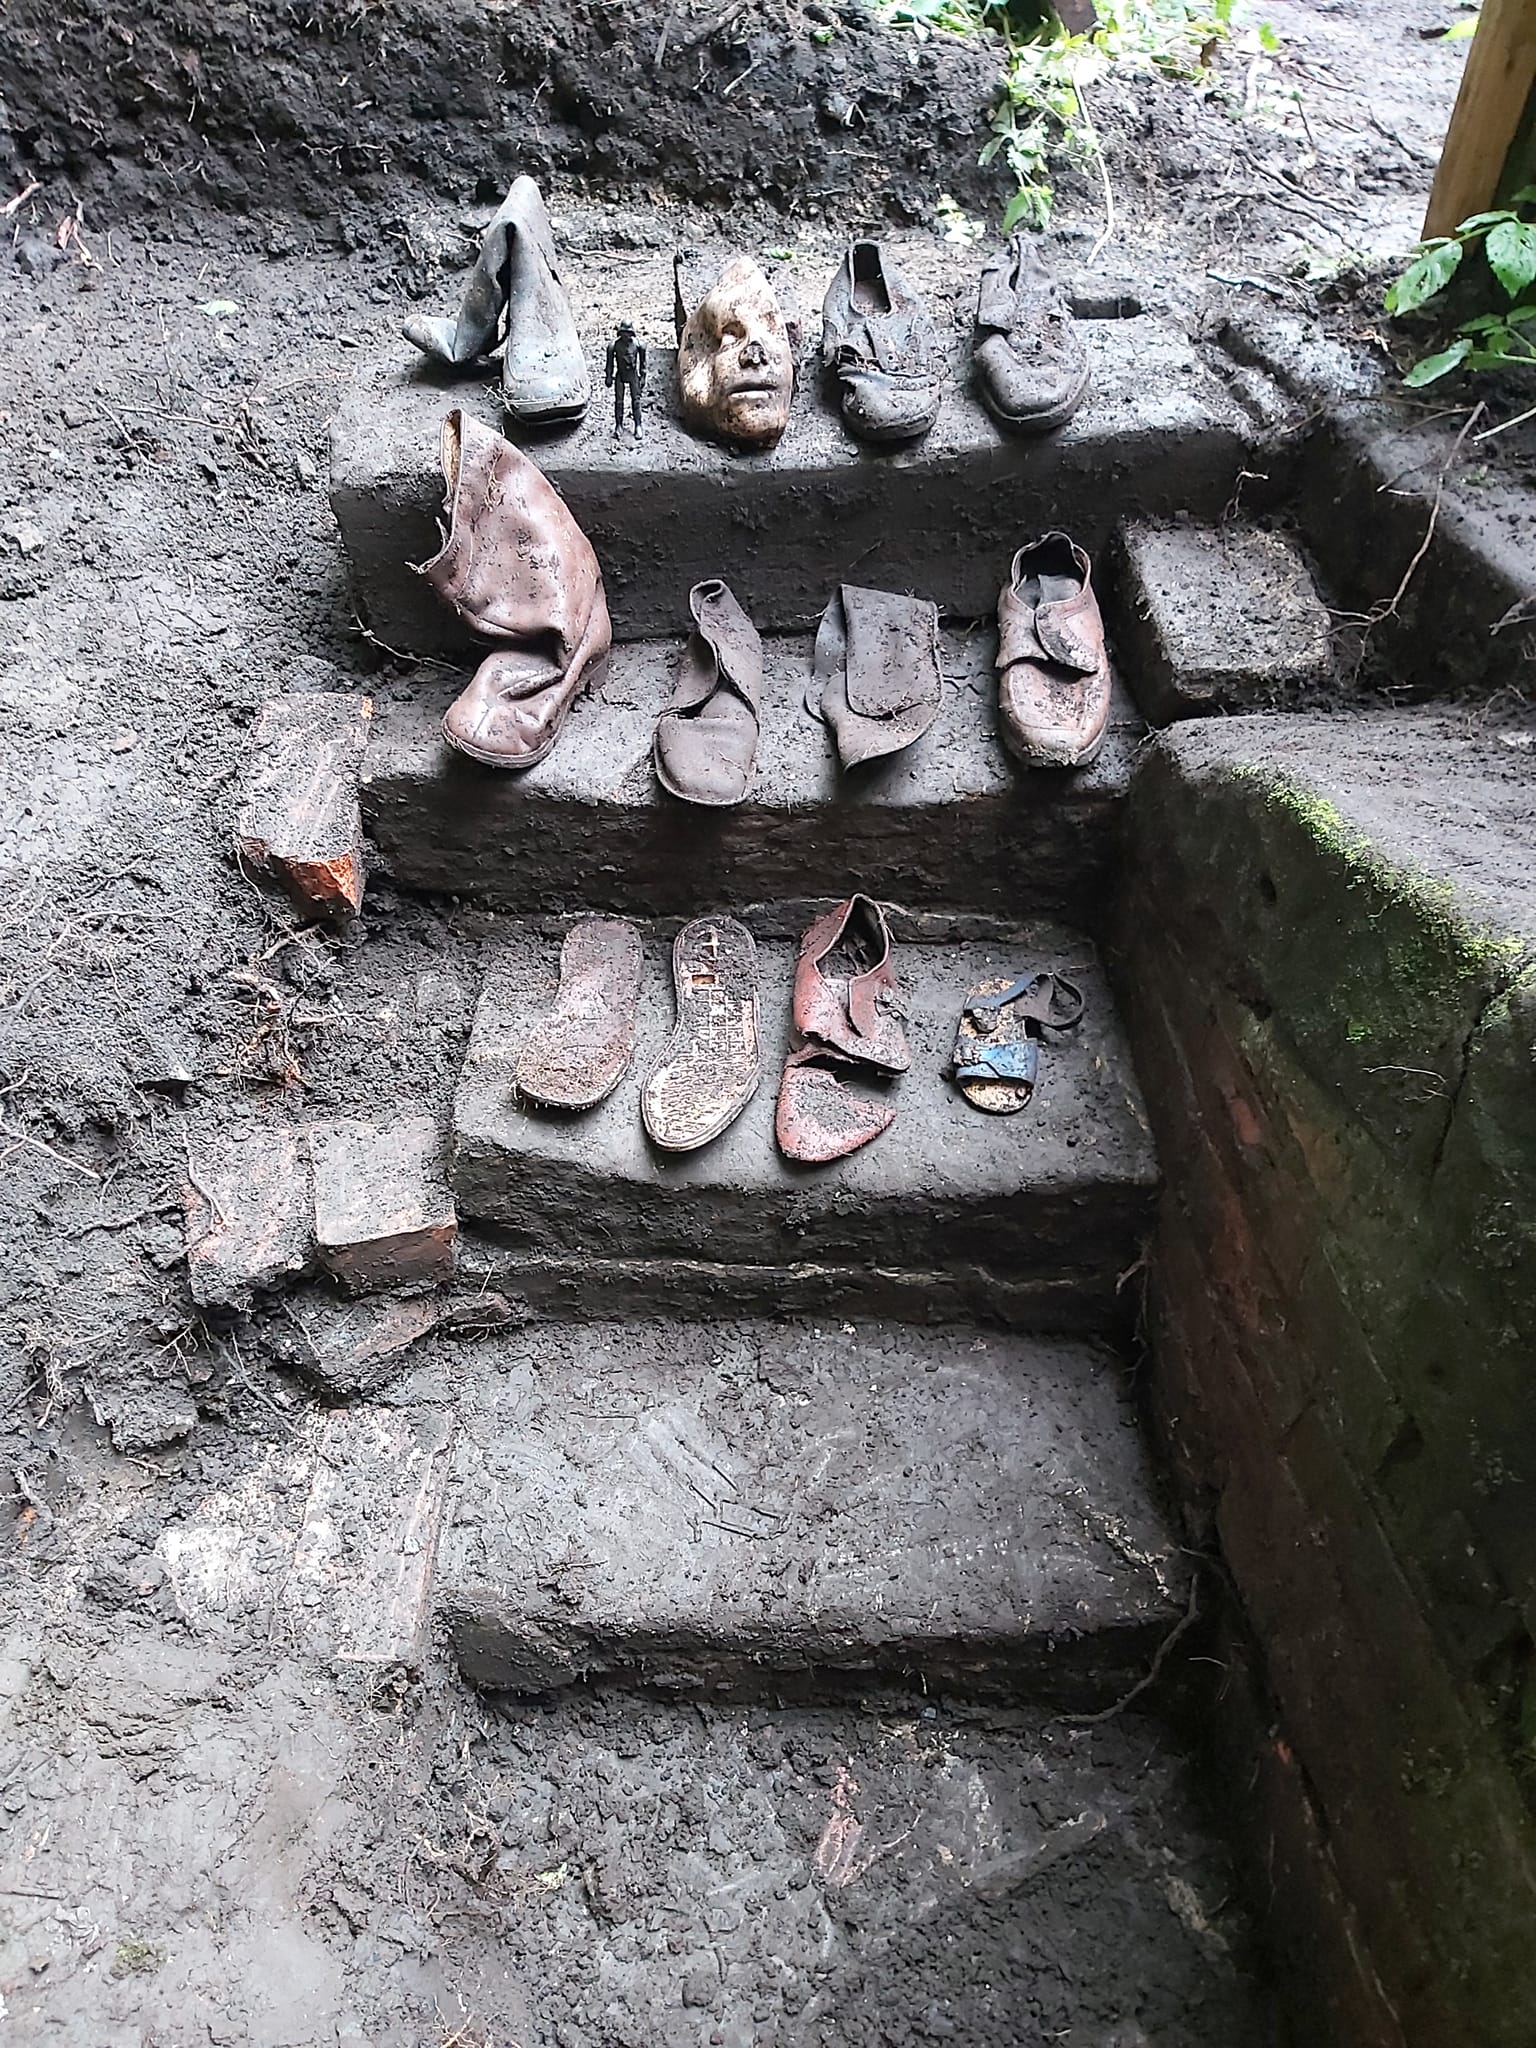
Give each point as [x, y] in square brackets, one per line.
[1439, 365]
[1420, 281]
[1511, 248]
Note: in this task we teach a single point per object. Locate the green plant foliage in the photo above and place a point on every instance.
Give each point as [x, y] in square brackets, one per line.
[1497, 339]
[1040, 108]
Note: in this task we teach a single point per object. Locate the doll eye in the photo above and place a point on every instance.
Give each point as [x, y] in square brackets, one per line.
[733, 330]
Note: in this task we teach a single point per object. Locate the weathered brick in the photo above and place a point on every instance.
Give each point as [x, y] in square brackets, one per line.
[383, 1214]
[247, 1217]
[300, 819]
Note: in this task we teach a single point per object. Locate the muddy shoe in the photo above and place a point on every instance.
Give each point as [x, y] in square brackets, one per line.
[880, 344]
[544, 376]
[846, 994]
[1031, 362]
[877, 681]
[735, 354]
[1053, 678]
[582, 1049]
[517, 569]
[708, 1071]
[997, 1043]
[817, 1118]
[706, 739]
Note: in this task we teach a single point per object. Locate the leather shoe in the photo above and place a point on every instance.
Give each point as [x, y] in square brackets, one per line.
[706, 739]
[846, 996]
[1031, 363]
[1052, 669]
[878, 341]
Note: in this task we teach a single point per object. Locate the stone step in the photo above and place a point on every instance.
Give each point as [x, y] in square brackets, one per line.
[1161, 434]
[1051, 1204]
[700, 1506]
[952, 824]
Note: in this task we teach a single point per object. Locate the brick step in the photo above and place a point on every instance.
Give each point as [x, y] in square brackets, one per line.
[953, 824]
[1161, 434]
[667, 1503]
[1052, 1204]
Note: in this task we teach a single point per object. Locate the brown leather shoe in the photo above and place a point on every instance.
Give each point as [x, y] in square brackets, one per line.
[846, 995]
[877, 681]
[706, 739]
[735, 356]
[516, 568]
[1053, 676]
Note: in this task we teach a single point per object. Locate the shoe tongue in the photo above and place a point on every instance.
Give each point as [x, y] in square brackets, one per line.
[892, 651]
[1048, 634]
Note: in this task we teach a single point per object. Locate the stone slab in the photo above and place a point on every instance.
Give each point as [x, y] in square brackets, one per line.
[383, 1215]
[247, 1208]
[1160, 434]
[1222, 618]
[952, 824]
[299, 819]
[1058, 1194]
[329, 1539]
[695, 1506]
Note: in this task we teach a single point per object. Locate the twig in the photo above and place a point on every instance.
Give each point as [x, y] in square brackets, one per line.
[37, 1145]
[1390, 609]
[1141, 1685]
[712, 28]
[660, 57]
[1519, 420]
[21, 199]
[1098, 156]
[213, 1207]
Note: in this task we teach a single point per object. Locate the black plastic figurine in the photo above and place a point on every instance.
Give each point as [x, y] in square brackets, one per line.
[624, 370]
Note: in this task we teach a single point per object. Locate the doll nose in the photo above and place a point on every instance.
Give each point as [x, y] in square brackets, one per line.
[753, 356]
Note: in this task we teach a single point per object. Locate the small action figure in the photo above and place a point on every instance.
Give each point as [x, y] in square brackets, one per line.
[624, 370]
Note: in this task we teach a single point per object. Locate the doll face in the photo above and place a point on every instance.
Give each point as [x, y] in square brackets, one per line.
[734, 362]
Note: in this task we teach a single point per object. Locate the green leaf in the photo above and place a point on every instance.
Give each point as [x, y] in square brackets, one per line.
[1031, 204]
[1511, 252]
[1269, 42]
[1460, 31]
[1484, 220]
[1421, 280]
[1438, 365]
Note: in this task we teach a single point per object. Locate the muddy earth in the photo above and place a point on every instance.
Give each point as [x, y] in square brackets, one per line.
[216, 1823]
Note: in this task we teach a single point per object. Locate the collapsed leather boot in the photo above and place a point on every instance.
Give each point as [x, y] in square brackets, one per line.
[735, 354]
[706, 739]
[544, 375]
[1053, 680]
[709, 1069]
[877, 681]
[878, 341]
[516, 568]
[1031, 361]
[579, 1052]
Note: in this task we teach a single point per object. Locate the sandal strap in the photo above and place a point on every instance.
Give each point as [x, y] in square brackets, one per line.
[1041, 998]
[1016, 1060]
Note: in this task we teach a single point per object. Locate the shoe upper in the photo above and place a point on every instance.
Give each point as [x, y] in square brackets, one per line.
[1053, 668]
[846, 995]
[1031, 362]
[880, 342]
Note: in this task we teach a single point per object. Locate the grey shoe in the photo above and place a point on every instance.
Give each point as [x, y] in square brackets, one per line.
[1031, 363]
[544, 376]
[879, 342]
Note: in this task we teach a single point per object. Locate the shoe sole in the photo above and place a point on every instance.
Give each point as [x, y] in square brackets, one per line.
[604, 953]
[714, 974]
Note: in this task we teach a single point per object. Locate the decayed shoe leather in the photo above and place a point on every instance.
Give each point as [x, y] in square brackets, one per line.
[846, 995]
[1052, 667]
[706, 739]
[877, 681]
[879, 342]
[735, 354]
[544, 375]
[1031, 362]
[816, 1118]
[580, 1050]
[517, 569]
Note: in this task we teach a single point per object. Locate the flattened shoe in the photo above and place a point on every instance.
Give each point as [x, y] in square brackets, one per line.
[735, 354]
[879, 342]
[709, 1068]
[1053, 679]
[846, 994]
[817, 1118]
[877, 681]
[580, 1052]
[997, 1043]
[517, 569]
[706, 739]
[544, 377]
[1032, 367]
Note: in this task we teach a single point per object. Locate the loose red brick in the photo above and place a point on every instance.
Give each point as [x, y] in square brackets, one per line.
[383, 1214]
[300, 819]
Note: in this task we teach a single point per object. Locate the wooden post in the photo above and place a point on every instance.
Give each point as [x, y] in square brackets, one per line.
[1496, 89]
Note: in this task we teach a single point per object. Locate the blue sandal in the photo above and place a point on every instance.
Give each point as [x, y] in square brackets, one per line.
[997, 1042]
